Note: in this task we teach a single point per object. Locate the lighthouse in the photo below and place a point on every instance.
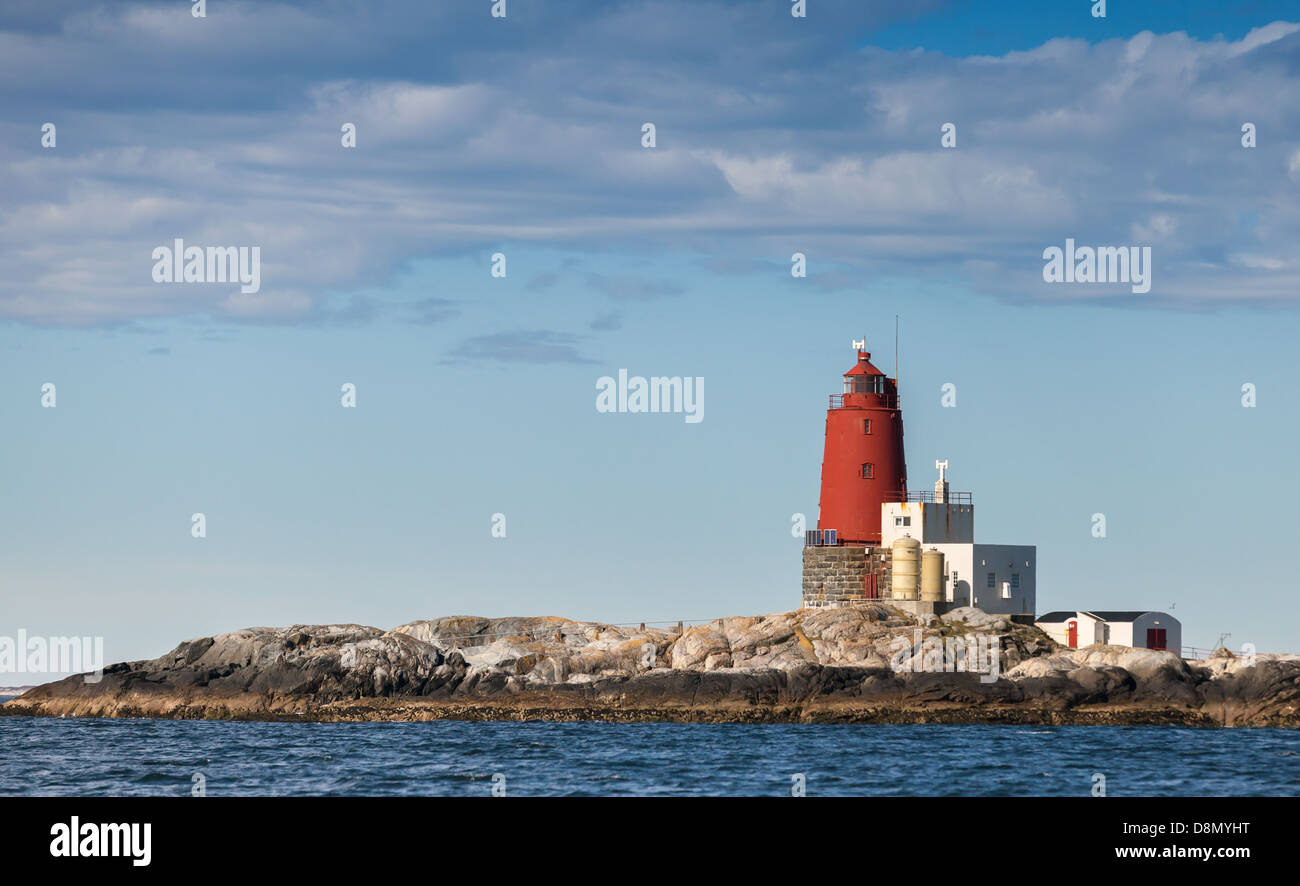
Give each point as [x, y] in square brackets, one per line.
[863, 464]
[876, 540]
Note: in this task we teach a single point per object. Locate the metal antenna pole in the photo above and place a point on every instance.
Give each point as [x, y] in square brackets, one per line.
[895, 350]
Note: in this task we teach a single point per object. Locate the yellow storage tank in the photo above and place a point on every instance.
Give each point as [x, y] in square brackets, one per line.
[906, 570]
[932, 576]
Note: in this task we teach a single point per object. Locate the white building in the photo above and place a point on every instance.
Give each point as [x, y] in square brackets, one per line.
[996, 578]
[1138, 629]
[999, 579]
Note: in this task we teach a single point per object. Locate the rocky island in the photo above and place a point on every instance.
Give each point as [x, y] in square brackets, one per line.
[861, 664]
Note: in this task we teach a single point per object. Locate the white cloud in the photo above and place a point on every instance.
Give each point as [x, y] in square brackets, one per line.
[801, 140]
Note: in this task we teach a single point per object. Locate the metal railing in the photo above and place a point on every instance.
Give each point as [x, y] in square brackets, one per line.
[928, 495]
[1196, 653]
[877, 401]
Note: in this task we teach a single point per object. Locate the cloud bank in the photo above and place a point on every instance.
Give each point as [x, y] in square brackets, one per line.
[774, 135]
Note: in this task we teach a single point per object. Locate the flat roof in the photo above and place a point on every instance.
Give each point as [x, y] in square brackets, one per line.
[1118, 614]
[1115, 615]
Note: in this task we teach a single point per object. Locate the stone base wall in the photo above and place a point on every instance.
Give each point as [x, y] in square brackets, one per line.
[835, 576]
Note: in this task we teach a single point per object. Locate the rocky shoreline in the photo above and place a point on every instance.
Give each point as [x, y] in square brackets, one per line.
[866, 664]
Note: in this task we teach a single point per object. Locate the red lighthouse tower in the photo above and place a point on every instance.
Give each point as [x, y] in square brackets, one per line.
[863, 464]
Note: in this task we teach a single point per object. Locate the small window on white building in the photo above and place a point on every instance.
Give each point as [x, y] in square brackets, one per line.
[902, 521]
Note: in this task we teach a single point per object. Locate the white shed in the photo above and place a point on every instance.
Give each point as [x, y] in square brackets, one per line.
[1139, 629]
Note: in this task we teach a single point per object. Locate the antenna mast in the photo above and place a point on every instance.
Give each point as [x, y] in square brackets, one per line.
[895, 350]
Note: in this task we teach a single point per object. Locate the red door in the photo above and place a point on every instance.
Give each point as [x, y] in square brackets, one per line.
[1073, 631]
[1155, 638]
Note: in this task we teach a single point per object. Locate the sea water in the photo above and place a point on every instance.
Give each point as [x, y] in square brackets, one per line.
[101, 757]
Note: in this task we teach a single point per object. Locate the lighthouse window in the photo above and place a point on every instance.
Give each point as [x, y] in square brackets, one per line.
[868, 470]
[992, 580]
[866, 426]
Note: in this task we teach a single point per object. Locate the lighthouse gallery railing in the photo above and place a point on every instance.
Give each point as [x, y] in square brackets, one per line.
[878, 401]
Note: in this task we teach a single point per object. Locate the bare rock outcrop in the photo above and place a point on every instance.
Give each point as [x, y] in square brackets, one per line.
[869, 663]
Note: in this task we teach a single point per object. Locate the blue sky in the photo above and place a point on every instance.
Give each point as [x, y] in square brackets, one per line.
[476, 395]
[976, 27]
